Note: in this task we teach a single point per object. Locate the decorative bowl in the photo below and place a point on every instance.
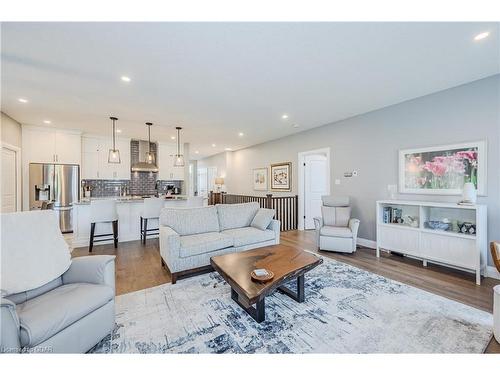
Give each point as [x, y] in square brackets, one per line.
[437, 225]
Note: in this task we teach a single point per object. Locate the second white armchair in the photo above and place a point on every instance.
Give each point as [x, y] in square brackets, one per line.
[336, 230]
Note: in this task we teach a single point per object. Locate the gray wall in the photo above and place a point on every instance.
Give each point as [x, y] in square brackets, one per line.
[370, 142]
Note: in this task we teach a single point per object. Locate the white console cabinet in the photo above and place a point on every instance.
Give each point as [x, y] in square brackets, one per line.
[446, 247]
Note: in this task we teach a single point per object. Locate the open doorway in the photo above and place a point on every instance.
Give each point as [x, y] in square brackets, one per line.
[314, 182]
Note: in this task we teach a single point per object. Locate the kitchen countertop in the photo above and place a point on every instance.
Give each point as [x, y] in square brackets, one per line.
[127, 199]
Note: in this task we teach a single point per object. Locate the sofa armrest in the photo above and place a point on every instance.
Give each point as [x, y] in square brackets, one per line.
[274, 225]
[170, 244]
[9, 327]
[94, 269]
[354, 226]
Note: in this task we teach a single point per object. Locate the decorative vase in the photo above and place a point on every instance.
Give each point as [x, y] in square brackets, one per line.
[469, 194]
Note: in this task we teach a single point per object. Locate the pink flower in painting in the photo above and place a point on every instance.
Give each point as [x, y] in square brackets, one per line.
[469, 155]
[436, 167]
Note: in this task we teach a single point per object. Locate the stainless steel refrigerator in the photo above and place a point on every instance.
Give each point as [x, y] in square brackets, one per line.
[56, 185]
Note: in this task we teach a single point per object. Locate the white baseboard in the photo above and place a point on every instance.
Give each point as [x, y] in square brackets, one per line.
[492, 272]
[367, 243]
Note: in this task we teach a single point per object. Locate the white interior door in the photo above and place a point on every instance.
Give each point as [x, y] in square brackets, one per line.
[315, 185]
[202, 182]
[9, 181]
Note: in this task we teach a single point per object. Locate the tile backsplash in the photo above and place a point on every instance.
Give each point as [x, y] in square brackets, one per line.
[140, 183]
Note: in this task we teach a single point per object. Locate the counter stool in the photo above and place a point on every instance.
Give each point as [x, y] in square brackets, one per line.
[103, 211]
[151, 210]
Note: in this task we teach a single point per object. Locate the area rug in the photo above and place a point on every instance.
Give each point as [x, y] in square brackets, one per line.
[347, 310]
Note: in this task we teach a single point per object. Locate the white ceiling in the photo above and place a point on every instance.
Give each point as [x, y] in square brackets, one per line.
[219, 79]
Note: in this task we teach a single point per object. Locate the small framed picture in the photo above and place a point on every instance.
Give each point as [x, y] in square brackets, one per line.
[281, 176]
[260, 179]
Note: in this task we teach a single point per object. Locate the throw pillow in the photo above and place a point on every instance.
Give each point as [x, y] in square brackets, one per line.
[263, 218]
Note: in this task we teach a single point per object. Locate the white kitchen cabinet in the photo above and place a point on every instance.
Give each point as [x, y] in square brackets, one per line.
[95, 159]
[50, 145]
[165, 161]
[68, 148]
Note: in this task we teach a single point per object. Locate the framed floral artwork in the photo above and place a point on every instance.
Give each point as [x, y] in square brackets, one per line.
[443, 169]
[281, 176]
[260, 179]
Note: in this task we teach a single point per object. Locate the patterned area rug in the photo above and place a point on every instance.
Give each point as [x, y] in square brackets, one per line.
[347, 310]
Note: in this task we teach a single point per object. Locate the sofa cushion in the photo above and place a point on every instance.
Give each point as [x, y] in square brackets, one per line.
[236, 215]
[187, 221]
[331, 231]
[336, 216]
[202, 243]
[249, 235]
[263, 218]
[44, 316]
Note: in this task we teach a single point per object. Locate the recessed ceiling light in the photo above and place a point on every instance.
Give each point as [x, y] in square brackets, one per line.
[482, 35]
[213, 145]
[241, 134]
[22, 100]
[47, 121]
[125, 79]
[228, 149]
[284, 117]
[197, 152]
[295, 125]
[172, 137]
[118, 130]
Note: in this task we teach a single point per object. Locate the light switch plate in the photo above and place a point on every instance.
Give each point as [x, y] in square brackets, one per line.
[337, 181]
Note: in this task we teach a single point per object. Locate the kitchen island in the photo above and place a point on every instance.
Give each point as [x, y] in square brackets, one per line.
[129, 213]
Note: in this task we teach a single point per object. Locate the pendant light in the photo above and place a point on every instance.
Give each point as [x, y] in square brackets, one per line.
[114, 154]
[150, 156]
[179, 158]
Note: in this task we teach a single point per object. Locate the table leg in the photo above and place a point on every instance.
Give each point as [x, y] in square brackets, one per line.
[258, 312]
[299, 295]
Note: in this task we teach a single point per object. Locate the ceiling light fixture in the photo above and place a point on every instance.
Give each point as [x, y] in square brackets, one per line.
[126, 79]
[482, 35]
[228, 149]
[172, 137]
[47, 122]
[118, 130]
[241, 134]
[150, 156]
[213, 145]
[284, 117]
[197, 152]
[114, 154]
[22, 100]
[179, 158]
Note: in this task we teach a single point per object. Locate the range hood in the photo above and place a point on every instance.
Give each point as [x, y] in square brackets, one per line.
[138, 151]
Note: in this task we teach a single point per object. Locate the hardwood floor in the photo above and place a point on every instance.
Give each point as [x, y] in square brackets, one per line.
[138, 267]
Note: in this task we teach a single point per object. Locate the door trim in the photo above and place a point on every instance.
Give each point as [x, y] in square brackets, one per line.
[301, 158]
[17, 151]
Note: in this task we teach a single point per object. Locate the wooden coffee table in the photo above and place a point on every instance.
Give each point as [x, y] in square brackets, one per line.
[286, 262]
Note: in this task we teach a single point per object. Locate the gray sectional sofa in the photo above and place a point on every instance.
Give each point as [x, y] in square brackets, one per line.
[190, 237]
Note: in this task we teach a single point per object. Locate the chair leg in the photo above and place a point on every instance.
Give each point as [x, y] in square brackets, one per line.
[115, 233]
[141, 232]
[92, 230]
[174, 278]
[145, 230]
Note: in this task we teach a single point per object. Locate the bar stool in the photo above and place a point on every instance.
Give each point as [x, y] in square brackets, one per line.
[151, 210]
[103, 211]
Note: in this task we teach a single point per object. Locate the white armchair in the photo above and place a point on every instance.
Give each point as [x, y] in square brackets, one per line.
[336, 230]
